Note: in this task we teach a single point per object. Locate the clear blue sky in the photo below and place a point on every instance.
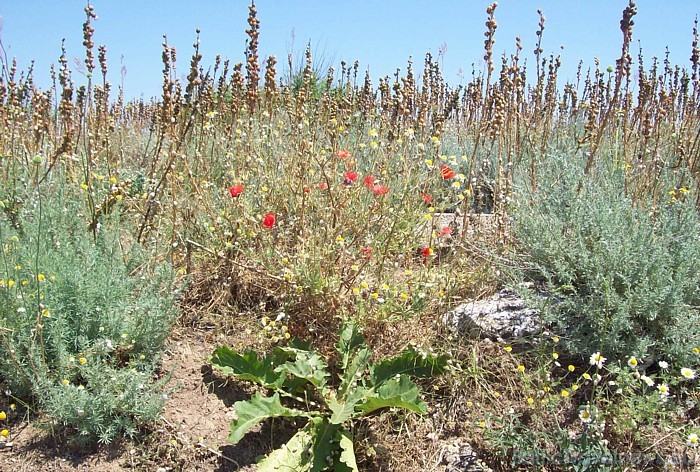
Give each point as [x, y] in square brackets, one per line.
[381, 34]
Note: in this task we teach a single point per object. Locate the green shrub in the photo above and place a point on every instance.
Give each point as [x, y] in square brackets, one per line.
[625, 274]
[83, 320]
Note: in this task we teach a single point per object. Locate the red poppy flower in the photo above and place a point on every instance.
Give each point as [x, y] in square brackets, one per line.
[236, 190]
[343, 154]
[366, 251]
[350, 177]
[368, 181]
[269, 220]
[445, 231]
[307, 189]
[427, 199]
[380, 189]
[323, 185]
[426, 252]
[446, 172]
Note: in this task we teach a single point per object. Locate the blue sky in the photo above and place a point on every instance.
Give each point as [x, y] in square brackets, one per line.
[380, 34]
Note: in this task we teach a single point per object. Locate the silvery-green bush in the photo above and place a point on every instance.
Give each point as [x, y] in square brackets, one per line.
[624, 273]
[83, 318]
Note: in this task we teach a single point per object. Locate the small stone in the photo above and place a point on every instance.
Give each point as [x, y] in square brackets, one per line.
[504, 316]
[460, 457]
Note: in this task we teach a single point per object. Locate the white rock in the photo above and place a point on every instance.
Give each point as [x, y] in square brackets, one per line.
[504, 316]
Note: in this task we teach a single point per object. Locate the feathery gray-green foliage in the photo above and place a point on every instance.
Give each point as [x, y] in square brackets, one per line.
[625, 274]
[83, 319]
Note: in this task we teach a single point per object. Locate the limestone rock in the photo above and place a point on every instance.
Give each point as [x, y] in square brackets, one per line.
[504, 316]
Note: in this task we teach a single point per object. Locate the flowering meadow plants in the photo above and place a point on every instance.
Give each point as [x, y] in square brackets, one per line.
[272, 211]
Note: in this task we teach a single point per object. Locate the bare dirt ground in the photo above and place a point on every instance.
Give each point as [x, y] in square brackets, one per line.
[192, 434]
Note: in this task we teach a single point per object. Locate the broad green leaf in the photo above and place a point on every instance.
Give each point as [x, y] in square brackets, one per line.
[347, 452]
[299, 345]
[343, 410]
[293, 456]
[249, 367]
[293, 385]
[398, 392]
[349, 339]
[307, 365]
[410, 362]
[257, 409]
[323, 445]
[353, 372]
[291, 350]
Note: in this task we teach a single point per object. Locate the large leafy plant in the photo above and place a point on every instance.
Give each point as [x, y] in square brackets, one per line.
[303, 388]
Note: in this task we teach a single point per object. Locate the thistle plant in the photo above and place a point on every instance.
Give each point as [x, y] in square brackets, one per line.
[303, 388]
